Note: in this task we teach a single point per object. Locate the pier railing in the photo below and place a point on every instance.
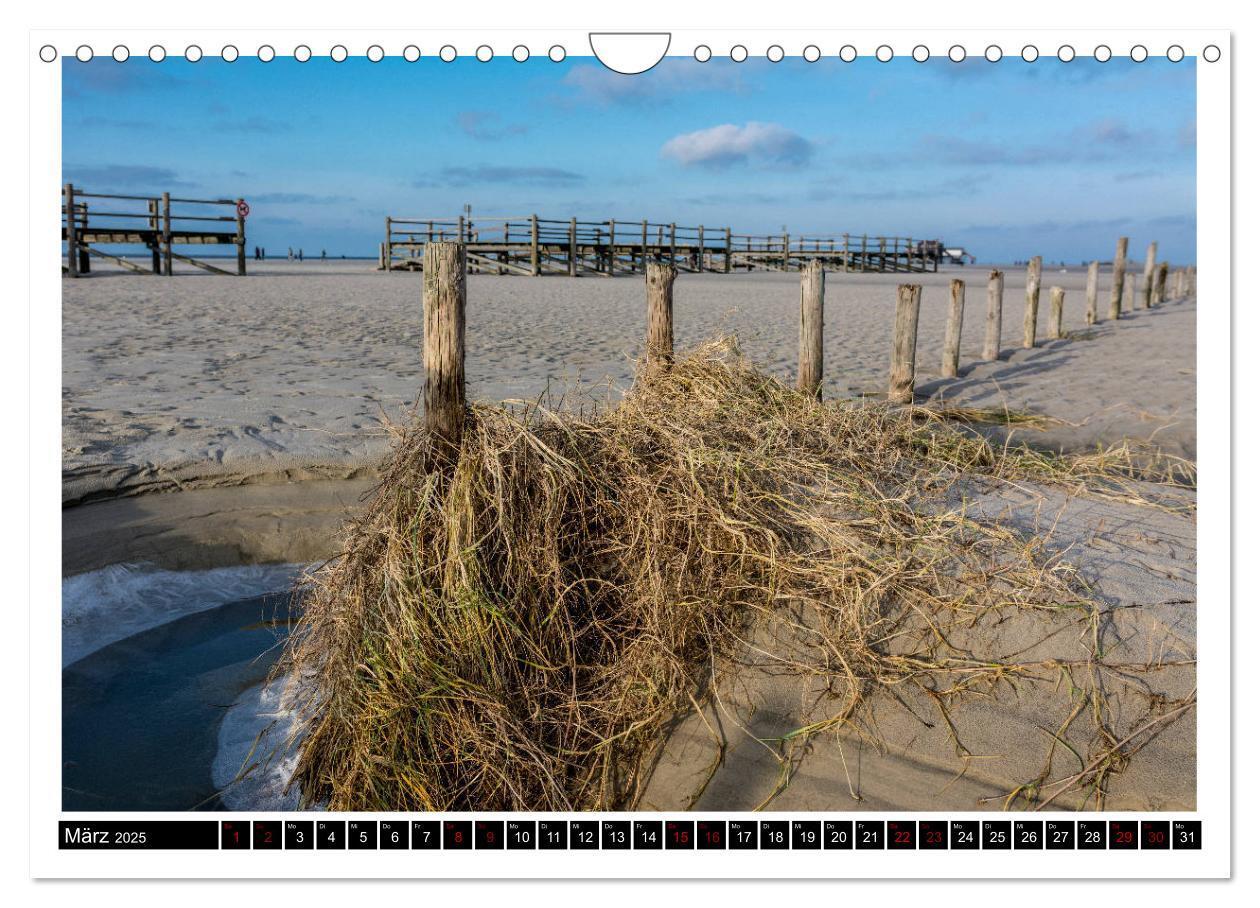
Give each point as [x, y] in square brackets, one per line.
[159, 223]
[533, 245]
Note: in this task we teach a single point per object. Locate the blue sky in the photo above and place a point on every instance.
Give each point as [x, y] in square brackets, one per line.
[1009, 159]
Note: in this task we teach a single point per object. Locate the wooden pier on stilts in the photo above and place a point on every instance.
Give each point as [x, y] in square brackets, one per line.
[159, 223]
[531, 245]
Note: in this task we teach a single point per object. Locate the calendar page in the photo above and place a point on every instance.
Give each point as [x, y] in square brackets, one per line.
[669, 450]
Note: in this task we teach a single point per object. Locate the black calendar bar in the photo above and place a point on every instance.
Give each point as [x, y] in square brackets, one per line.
[172, 835]
[492, 835]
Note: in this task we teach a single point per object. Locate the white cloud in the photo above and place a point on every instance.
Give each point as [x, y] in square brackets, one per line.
[728, 145]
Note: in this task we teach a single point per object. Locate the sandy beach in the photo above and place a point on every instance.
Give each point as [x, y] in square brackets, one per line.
[262, 402]
[201, 380]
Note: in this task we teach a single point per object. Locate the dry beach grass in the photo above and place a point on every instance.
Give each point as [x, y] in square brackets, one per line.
[522, 628]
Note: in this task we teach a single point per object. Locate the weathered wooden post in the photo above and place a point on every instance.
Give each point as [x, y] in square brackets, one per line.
[1056, 313]
[168, 259]
[1091, 294]
[445, 296]
[847, 263]
[1192, 280]
[1161, 283]
[993, 318]
[1032, 298]
[573, 248]
[726, 261]
[612, 246]
[240, 238]
[1128, 294]
[381, 257]
[1117, 275]
[1179, 284]
[905, 339]
[660, 314]
[85, 254]
[535, 263]
[673, 243]
[387, 251]
[862, 262]
[1148, 276]
[786, 246]
[953, 329]
[810, 364]
[154, 228]
[72, 234]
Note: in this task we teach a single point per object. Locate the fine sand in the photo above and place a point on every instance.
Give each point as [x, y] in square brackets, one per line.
[204, 380]
[233, 390]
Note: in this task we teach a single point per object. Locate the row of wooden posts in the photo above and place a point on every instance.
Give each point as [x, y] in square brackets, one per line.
[445, 268]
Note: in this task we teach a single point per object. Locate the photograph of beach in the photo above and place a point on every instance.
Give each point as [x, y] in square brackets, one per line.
[791, 435]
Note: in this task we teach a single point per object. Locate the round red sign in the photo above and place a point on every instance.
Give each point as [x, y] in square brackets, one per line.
[242, 208]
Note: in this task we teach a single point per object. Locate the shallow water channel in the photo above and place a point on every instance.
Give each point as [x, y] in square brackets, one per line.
[141, 716]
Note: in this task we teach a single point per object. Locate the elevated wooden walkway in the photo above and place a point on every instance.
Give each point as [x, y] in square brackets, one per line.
[530, 245]
[157, 227]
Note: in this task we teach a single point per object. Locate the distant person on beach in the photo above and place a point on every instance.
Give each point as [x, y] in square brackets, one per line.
[290, 253]
[323, 255]
[264, 253]
[299, 255]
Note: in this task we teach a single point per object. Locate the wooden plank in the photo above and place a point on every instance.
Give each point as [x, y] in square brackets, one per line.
[202, 265]
[130, 266]
[497, 263]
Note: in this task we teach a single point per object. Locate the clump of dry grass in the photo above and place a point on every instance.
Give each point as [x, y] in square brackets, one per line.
[518, 630]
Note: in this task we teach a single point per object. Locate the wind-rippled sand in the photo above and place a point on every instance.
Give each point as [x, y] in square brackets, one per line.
[201, 380]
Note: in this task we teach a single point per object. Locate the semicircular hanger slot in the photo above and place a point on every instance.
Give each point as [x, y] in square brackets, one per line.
[629, 53]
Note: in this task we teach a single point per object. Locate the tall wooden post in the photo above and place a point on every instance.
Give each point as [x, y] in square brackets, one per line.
[1128, 294]
[1091, 294]
[726, 262]
[445, 295]
[1161, 283]
[168, 259]
[85, 255]
[1056, 313]
[953, 328]
[72, 234]
[1148, 276]
[862, 261]
[1032, 297]
[240, 238]
[993, 318]
[660, 312]
[535, 262]
[155, 261]
[1192, 280]
[786, 247]
[905, 339]
[673, 243]
[612, 246]
[573, 247]
[700, 253]
[810, 364]
[1117, 275]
